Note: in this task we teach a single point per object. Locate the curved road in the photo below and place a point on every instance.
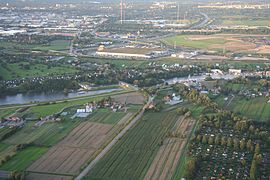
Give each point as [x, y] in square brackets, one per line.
[113, 142]
[202, 23]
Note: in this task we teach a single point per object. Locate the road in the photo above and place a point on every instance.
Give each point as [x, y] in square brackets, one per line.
[202, 23]
[231, 98]
[4, 175]
[113, 142]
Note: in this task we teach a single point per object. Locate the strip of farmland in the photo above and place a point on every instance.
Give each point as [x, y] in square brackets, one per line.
[70, 154]
[138, 150]
[166, 160]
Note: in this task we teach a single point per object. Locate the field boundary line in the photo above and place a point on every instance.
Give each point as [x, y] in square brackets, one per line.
[114, 141]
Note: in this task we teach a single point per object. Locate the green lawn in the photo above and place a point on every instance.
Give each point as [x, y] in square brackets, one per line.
[23, 159]
[183, 40]
[16, 70]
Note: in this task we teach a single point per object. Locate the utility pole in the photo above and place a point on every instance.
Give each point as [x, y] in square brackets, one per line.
[178, 12]
[121, 9]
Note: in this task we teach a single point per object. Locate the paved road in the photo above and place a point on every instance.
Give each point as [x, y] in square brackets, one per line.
[113, 142]
[202, 23]
[4, 175]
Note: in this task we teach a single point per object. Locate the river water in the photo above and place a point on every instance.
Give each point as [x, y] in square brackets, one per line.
[52, 96]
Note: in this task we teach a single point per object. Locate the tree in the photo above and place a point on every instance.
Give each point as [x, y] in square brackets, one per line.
[258, 158]
[199, 138]
[243, 162]
[257, 148]
[191, 168]
[204, 139]
[251, 129]
[250, 145]
[181, 110]
[252, 172]
[229, 142]
[223, 141]
[217, 139]
[263, 83]
[210, 140]
[236, 143]
[242, 144]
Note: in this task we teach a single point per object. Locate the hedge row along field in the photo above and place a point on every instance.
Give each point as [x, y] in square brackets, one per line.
[134, 154]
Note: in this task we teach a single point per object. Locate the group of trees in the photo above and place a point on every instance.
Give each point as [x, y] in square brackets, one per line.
[257, 158]
[42, 86]
[230, 142]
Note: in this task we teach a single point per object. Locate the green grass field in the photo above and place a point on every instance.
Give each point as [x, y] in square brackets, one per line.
[56, 45]
[106, 116]
[131, 157]
[245, 22]
[23, 159]
[6, 112]
[46, 135]
[183, 40]
[4, 131]
[16, 70]
[257, 108]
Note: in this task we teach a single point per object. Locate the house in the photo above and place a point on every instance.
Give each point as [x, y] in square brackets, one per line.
[81, 111]
[235, 71]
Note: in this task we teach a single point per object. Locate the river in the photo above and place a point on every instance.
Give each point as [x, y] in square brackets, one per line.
[52, 96]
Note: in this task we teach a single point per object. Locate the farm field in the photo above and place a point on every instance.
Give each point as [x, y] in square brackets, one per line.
[23, 158]
[134, 154]
[70, 154]
[17, 70]
[56, 45]
[258, 108]
[45, 135]
[220, 42]
[6, 112]
[6, 150]
[106, 116]
[166, 161]
[65, 136]
[35, 176]
[4, 131]
[79, 146]
[134, 98]
[245, 22]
